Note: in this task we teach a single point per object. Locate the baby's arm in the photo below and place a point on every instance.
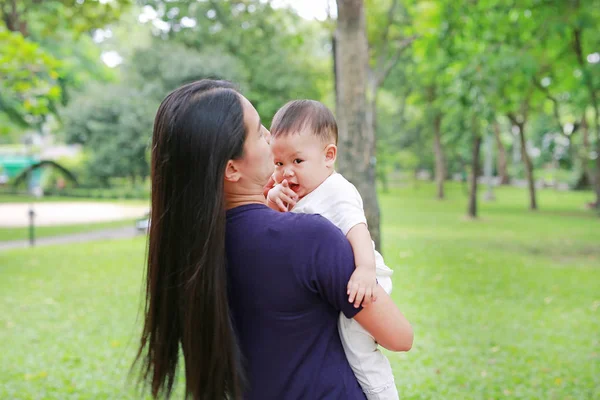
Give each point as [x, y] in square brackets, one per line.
[361, 287]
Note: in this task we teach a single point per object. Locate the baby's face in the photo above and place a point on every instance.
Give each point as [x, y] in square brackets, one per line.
[301, 159]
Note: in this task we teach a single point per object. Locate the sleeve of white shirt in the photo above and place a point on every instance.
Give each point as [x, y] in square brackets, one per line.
[340, 203]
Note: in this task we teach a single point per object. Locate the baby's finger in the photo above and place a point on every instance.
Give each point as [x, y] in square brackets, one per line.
[289, 192]
[368, 297]
[280, 204]
[373, 296]
[352, 290]
[287, 199]
[359, 297]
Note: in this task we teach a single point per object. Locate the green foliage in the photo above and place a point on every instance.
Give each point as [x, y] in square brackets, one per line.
[163, 66]
[474, 62]
[44, 51]
[28, 78]
[115, 123]
[281, 56]
[470, 63]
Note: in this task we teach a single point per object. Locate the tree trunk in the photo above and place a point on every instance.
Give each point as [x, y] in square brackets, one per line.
[356, 138]
[372, 89]
[12, 16]
[597, 173]
[597, 181]
[589, 82]
[528, 167]
[440, 164]
[584, 154]
[501, 160]
[472, 211]
[334, 53]
[593, 175]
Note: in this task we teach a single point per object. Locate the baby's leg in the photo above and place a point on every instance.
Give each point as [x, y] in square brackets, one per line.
[372, 369]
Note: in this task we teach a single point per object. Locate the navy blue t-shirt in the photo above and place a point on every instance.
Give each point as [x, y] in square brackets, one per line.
[288, 275]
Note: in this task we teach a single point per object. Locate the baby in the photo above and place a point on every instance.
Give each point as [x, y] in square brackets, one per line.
[303, 141]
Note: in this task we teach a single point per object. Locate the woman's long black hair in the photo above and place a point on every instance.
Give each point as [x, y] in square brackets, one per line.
[198, 128]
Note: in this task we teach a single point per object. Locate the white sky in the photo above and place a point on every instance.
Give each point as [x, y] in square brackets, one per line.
[308, 9]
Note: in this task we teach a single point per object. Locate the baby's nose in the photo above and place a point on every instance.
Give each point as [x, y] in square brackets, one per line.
[288, 172]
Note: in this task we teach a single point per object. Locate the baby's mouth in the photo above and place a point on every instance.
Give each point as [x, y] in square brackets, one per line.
[294, 186]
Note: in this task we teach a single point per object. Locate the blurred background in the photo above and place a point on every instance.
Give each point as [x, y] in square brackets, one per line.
[470, 127]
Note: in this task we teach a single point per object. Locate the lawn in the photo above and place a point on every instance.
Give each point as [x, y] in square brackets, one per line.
[503, 307]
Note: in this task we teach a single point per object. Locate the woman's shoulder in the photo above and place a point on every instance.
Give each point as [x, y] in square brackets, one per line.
[258, 217]
[313, 224]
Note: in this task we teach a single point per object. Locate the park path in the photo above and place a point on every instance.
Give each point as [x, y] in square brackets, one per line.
[106, 234]
[13, 215]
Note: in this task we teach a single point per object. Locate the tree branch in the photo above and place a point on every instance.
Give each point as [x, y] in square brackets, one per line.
[219, 13]
[526, 104]
[577, 48]
[512, 117]
[386, 32]
[382, 73]
[555, 104]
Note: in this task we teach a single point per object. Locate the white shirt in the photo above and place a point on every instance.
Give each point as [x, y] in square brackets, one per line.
[338, 200]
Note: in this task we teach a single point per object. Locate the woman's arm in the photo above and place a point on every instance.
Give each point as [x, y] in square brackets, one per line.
[386, 323]
[330, 270]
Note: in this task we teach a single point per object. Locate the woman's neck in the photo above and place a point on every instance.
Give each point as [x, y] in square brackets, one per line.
[239, 194]
[233, 201]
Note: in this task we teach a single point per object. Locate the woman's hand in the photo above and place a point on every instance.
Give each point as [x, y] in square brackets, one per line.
[281, 197]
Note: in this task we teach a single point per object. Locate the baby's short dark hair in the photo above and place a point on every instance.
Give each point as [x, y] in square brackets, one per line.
[298, 115]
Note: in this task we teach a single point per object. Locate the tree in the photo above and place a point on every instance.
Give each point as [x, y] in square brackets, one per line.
[356, 138]
[435, 25]
[475, 127]
[283, 56]
[587, 18]
[387, 43]
[502, 163]
[28, 79]
[114, 122]
[36, 68]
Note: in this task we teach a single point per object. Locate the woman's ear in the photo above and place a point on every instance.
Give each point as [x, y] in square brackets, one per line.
[330, 154]
[232, 173]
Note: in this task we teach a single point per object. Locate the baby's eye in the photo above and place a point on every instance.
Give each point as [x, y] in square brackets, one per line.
[278, 164]
[297, 161]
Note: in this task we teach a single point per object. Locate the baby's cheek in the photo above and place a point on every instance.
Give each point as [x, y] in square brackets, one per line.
[278, 175]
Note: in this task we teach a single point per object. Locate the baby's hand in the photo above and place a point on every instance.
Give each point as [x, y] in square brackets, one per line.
[361, 287]
[281, 197]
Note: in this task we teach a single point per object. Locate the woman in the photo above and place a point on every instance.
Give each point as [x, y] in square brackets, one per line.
[251, 296]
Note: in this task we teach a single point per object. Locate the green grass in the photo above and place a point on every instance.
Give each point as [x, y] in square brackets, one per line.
[503, 307]
[506, 306]
[9, 234]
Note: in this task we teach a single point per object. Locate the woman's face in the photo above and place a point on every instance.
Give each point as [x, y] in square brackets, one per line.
[256, 164]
